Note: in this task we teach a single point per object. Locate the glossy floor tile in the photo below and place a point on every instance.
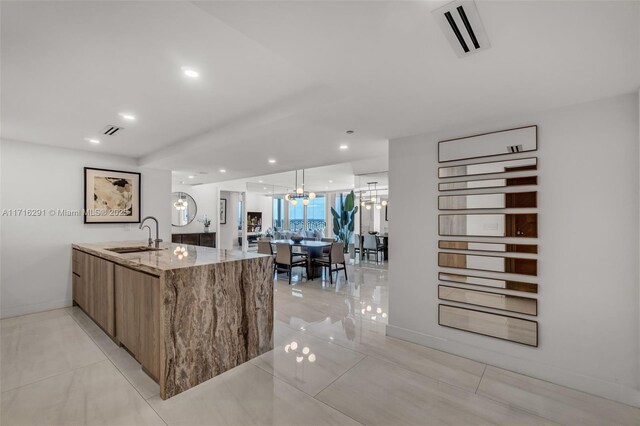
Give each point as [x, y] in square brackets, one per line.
[307, 363]
[563, 405]
[38, 346]
[332, 364]
[120, 358]
[246, 395]
[369, 338]
[376, 392]
[95, 394]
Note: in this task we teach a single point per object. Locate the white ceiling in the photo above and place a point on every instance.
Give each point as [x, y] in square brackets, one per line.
[284, 80]
[336, 177]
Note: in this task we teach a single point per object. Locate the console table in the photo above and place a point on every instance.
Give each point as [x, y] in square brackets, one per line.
[204, 239]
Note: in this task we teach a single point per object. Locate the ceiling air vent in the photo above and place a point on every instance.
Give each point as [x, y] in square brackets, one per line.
[461, 24]
[111, 130]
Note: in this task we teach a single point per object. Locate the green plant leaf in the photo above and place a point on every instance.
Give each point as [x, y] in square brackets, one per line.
[348, 203]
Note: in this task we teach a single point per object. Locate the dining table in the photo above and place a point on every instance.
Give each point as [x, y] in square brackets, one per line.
[313, 249]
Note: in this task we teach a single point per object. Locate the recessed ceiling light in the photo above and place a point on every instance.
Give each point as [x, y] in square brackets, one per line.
[127, 116]
[343, 147]
[330, 181]
[272, 161]
[92, 140]
[190, 72]
[350, 132]
[223, 171]
[191, 177]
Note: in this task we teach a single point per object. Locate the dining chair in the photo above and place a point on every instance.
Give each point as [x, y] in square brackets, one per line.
[335, 257]
[371, 244]
[357, 246]
[286, 261]
[327, 249]
[265, 247]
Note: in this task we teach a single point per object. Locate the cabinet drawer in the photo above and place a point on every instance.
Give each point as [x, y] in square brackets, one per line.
[191, 239]
[78, 260]
[207, 240]
[138, 316]
[79, 291]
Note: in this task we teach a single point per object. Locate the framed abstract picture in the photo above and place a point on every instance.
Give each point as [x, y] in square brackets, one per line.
[223, 211]
[111, 196]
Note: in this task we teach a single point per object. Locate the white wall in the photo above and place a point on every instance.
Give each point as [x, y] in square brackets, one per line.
[588, 261]
[36, 251]
[206, 197]
[229, 232]
[257, 202]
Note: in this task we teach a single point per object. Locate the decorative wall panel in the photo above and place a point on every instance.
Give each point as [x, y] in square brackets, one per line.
[489, 225]
[489, 282]
[489, 168]
[502, 142]
[509, 265]
[485, 246]
[496, 221]
[511, 200]
[488, 183]
[503, 302]
[502, 327]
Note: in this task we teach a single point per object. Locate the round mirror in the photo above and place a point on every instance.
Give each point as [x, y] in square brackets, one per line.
[183, 209]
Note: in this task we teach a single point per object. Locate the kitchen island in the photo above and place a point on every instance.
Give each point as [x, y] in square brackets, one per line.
[186, 313]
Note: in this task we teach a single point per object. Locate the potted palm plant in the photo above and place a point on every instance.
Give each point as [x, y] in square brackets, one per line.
[344, 222]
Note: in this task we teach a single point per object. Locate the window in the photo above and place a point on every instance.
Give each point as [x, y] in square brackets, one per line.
[316, 213]
[296, 217]
[278, 213]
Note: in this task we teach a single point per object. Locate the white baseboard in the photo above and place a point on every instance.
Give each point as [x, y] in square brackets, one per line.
[592, 385]
[15, 311]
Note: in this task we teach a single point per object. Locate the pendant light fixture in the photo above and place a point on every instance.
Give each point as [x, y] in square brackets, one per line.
[181, 203]
[300, 193]
[372, 200]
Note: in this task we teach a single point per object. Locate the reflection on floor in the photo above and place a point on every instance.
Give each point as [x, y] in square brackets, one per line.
[332, 364]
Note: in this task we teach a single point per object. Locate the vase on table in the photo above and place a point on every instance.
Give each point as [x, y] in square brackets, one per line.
[206, 229]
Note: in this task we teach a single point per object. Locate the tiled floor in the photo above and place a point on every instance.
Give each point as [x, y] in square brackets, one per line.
[332, 364]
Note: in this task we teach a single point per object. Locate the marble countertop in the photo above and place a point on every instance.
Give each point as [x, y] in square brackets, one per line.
[171, 256]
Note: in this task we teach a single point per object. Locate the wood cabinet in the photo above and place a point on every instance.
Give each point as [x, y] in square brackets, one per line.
[92, 282]
[137, 316]
[123, 302]
[99, 283]
[204, 239]
[80, 293]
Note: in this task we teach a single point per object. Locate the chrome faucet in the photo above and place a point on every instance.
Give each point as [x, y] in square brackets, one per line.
[149, 228]
[157, 240]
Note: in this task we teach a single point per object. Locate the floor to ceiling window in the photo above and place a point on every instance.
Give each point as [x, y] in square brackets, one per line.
[316, 213]
[296, 217]
[278, 213]
[287, 216]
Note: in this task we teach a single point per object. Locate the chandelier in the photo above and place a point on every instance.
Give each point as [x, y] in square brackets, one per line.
[372, 199]
[182, 203]
[300, 193]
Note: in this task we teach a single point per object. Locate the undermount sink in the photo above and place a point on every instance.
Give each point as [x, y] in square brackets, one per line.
[140, 249]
